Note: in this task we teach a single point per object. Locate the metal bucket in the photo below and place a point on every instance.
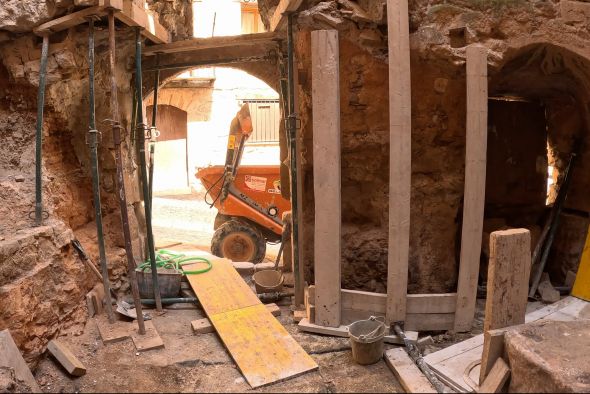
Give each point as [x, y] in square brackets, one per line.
[366, 340]
[168, 280]
[268, 281]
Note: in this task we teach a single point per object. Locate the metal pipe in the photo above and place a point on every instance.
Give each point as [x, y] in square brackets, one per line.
[140, 135]
[153, 129]
[120, 177]
[292, 124]
[557, 207]
[39, 131]
[176, 66]
[187, 300]
[93, 142]
[416, 356]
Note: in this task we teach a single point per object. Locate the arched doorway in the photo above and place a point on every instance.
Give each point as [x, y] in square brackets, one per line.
[538, 118]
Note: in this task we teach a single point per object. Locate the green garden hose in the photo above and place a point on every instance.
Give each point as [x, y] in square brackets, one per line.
[174, 260]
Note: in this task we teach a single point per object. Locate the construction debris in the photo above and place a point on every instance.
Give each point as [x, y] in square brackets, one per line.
[13, 365]
[66, 358]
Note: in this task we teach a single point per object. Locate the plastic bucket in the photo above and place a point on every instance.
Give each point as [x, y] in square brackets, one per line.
[168, 280]
[366, 340]
[268, 281]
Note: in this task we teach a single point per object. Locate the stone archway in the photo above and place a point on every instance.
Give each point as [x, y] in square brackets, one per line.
[546, 85]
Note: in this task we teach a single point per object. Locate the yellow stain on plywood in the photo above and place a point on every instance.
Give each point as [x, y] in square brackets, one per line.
[582, 284]
[260, 345]
[221, 289]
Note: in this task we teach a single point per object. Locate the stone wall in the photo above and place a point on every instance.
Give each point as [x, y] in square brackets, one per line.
[41, 271]
[535, 38]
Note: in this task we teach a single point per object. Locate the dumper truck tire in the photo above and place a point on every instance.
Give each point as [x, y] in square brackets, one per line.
[238, 241]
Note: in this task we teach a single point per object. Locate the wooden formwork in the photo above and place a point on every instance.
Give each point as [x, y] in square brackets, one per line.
[328, 305]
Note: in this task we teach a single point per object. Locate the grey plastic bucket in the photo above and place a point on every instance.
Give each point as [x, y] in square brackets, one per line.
[366, 340]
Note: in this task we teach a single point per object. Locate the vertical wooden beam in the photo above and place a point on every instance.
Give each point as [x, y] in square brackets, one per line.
[400, 158]
[508, 285]
[326, 174]
[475, 184]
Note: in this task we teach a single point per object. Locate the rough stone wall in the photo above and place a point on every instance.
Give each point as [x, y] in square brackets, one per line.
[50, 278]
[539, 39]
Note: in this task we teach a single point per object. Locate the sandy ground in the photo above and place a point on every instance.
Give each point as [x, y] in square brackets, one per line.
[187, 218]
[200, 363]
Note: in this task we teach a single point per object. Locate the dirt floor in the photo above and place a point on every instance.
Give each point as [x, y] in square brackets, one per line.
[200, 363]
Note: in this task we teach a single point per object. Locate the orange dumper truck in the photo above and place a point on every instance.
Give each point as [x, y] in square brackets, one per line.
[248, 200]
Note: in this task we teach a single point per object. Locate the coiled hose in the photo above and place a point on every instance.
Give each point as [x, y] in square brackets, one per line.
[174, 260]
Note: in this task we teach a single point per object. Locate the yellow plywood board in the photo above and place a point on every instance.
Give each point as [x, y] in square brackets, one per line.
[260, 345]
[581, 287]
[221, 289]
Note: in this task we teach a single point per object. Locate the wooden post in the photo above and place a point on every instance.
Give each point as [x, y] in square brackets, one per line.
[475, 183]
[400, 157]
[326, 174]
[508, 285]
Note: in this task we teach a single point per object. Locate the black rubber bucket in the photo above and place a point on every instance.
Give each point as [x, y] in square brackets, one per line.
[168, 280]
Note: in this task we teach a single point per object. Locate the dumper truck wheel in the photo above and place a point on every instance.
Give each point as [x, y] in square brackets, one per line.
[238, 241]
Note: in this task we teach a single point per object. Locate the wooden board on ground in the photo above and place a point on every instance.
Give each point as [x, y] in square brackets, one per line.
[204, 326]
[66, 358]
[115, 332]
[496, 379]
[11, 357]
[449, 364]
[222, 289]
[261, 347]
[408, 374]
[150, 340]
[342, 331]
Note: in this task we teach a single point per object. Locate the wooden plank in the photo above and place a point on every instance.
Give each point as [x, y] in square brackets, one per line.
[70, 20]
[429, 321]
[151, 340]
[496, 379]
[66, 358]
[475, 182]
[415, 303]
[342, 331]
[134, 15]
[400, 158]
[204, 326]
[493, 348]
[261, 347]
[10, 357]
[508, 278]
[278, 21]
[199, 44]
[581, 287]
[406, 372]
[115, 332]
[222, 289]
[326, 174]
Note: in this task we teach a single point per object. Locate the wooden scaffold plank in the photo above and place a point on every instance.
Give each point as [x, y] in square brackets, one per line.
[279, 18]
[326, 175]
[475, 183]
[400, 157]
